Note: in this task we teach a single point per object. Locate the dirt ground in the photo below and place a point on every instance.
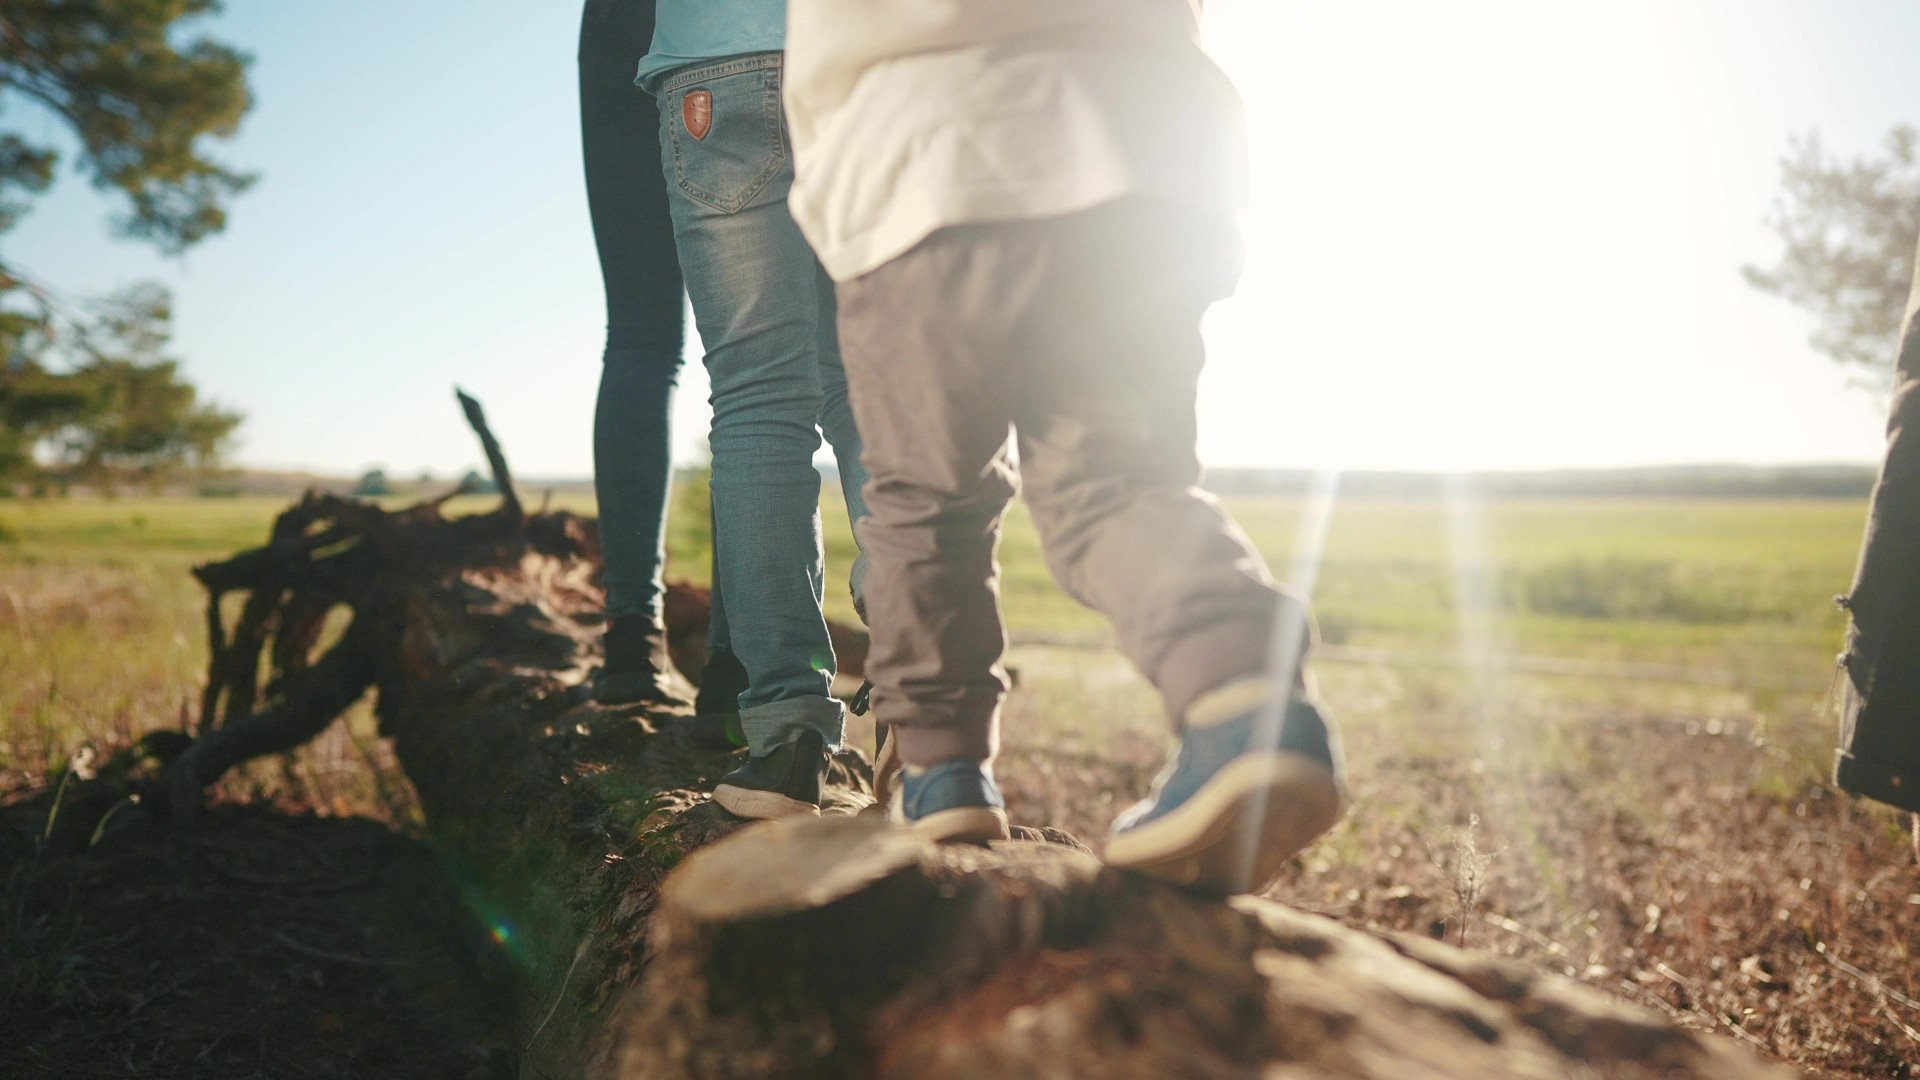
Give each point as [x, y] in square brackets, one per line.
[279, 943]
[1642, 862]
[272, 943]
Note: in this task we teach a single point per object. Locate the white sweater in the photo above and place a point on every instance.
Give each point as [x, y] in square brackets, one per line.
[911, 115]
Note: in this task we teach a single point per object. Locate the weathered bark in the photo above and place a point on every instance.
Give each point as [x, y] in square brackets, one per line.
[838, 946]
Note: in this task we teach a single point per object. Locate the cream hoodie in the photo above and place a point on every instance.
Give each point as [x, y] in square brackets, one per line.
[908, 116]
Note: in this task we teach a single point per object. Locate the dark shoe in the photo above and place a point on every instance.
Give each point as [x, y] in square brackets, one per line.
[1240, 798]
[783, 782]
[636, 670]
[955, 801]
[716, 708]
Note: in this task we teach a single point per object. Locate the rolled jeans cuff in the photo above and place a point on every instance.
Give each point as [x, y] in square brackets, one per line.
[780, 722]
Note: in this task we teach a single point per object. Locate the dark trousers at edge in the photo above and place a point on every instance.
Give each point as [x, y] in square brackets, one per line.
[1879, 754]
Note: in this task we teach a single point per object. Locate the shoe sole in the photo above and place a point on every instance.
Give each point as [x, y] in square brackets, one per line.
[761, 805]
[1238, 831]
[962, 825]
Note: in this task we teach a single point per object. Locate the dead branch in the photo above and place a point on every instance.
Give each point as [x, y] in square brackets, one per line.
[497, 461]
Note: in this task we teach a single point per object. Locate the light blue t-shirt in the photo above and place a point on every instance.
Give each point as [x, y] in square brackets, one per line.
[696, 31]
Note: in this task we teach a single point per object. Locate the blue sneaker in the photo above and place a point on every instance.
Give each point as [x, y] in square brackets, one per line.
[955, 801]
[1243, 794]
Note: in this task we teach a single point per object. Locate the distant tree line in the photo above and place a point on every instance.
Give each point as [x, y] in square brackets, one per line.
[1661, 482]
[375, 484]
[88, 394]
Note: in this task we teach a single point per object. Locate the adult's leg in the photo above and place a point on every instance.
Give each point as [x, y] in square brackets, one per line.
[756, 299]
[633, 231]
[716, 706]
[1880, 736]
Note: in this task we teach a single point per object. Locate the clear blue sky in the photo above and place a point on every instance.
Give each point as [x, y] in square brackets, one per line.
[1485, 234]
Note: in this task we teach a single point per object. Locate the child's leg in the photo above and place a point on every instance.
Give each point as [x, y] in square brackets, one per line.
[837, 424]
[924, 340]
[1107, 455]
[1107, 449]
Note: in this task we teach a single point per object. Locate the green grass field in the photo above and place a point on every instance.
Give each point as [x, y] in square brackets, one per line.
[1645, 605]
[1493, 631]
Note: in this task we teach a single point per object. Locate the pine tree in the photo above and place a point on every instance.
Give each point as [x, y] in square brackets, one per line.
[1847, 231]
[143, 102]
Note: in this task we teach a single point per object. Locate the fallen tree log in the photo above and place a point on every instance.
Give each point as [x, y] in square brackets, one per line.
[659, 937]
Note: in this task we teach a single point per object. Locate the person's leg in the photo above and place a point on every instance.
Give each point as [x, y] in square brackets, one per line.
[925, 339]
[843, 434]
[1880, 737]
[1107, 449]
[1106, 430]
[633, 232]
[716, 705]
[756, 299]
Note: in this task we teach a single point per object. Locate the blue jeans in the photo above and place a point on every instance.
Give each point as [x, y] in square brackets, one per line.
[765, 311]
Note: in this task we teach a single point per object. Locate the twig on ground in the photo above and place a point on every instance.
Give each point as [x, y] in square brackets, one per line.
[1870, 983]
[1695, 1009]
[339, 958]
[1519, 930]
[559, 993]
[1905, 1029]
[308, 884]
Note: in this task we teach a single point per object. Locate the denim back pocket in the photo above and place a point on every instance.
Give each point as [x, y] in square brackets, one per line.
[727, 141]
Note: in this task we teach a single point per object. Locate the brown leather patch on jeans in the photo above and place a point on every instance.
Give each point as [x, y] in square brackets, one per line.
[696, 110]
